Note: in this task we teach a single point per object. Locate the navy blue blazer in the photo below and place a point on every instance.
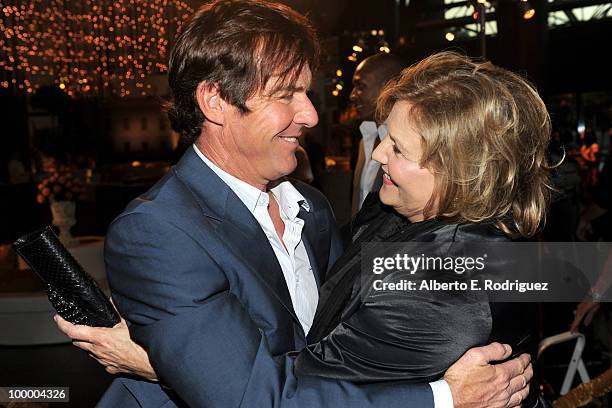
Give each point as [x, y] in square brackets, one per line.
[196, 278]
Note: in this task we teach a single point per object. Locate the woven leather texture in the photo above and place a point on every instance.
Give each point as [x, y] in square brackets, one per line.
[73, 292]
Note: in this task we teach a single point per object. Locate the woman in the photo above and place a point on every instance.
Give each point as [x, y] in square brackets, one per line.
[464, 161]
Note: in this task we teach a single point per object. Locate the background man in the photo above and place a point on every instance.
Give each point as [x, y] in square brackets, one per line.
[369, 78]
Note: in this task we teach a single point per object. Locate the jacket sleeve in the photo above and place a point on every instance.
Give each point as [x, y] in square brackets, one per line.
[200, 339]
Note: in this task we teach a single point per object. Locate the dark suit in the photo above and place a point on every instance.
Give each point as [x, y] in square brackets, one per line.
[194, 274]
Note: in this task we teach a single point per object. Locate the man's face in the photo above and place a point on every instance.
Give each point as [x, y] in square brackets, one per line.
[366, 88]
[262, 143]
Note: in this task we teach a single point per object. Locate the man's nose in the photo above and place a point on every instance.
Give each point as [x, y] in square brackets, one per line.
[353, 95]
[306, 115]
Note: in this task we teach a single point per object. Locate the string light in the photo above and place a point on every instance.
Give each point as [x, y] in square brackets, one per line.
[86, 47]
[527, 10]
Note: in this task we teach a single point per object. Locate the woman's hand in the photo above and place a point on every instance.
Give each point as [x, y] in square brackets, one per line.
[111, 347]
[585, 310]
[584, 230]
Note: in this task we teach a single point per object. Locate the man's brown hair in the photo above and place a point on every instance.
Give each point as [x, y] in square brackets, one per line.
[238, 46]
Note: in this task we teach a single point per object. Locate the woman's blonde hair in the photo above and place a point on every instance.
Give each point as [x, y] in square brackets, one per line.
[484, 133]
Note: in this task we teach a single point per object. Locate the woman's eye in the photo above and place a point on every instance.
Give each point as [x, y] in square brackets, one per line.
[396, 150]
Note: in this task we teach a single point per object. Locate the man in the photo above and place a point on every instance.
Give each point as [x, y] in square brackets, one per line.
[217, 267]
[369, 79]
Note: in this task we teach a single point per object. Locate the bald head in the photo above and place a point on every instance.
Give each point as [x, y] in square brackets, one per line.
[369, 79]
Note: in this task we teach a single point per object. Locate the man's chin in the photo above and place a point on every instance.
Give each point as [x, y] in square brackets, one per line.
[365, 116]
[288, 168]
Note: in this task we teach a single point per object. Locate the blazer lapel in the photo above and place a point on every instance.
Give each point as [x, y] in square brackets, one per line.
[241, 230]
[238, 229]
[309, 238]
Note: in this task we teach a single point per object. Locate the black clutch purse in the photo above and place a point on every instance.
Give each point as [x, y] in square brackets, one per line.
[71, 290]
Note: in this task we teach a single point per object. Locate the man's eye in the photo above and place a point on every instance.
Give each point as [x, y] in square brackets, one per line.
[286, 96]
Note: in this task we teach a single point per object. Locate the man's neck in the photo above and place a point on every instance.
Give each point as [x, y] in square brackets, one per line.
[221, 159]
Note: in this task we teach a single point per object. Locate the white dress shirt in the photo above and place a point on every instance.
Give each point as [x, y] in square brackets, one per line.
[292, 257]
[369, 132]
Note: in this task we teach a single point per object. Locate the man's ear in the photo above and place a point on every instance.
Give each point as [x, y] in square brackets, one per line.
[210, 102]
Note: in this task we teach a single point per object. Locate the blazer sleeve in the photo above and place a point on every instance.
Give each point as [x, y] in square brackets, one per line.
[201, 340]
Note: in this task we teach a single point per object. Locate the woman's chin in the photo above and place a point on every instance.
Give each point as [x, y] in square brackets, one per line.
[384, 197]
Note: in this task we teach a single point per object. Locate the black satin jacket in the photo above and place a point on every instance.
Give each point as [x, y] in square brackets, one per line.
[376, 336]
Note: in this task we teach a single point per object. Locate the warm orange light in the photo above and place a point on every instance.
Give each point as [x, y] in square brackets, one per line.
[329, 162]
[40, 32]
[529, 14]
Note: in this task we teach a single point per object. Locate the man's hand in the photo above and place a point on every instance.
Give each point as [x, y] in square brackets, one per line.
[475, 383]
[111, 347]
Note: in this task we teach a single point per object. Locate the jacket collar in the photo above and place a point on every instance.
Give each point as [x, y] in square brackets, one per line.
[235, 225]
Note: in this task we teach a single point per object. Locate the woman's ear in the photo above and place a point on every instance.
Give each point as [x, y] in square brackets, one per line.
[210, 102]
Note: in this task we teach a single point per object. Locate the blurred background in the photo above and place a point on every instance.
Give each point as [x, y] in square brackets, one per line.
[82, 85]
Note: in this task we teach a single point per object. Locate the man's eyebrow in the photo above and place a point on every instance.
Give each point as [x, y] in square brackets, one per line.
[292, 88]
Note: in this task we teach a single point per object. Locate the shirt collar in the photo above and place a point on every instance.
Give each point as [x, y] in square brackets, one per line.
[369, 130]
[289, 198]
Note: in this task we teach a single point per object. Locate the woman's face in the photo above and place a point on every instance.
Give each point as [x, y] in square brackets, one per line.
[407, 187]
